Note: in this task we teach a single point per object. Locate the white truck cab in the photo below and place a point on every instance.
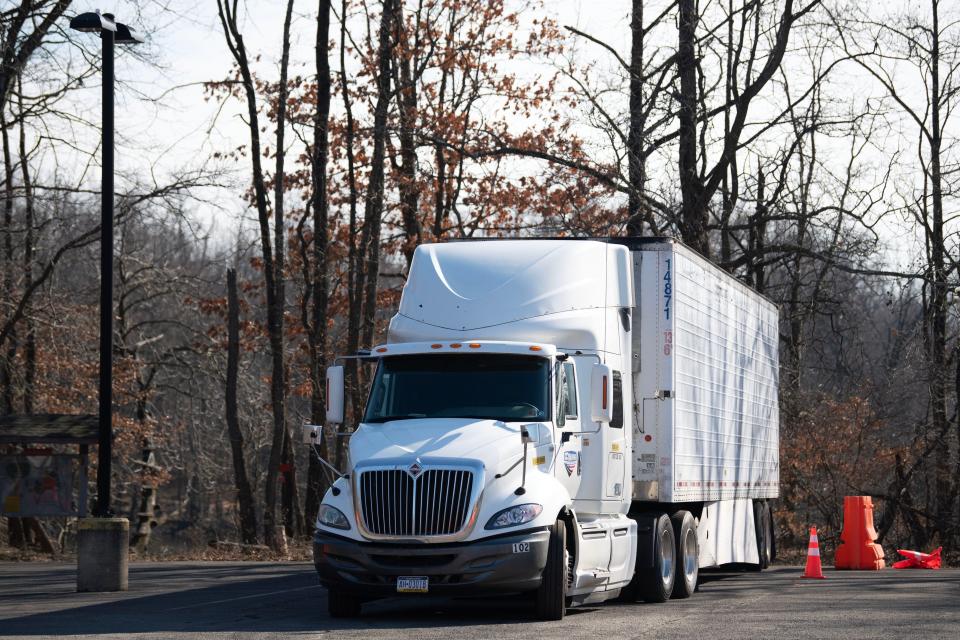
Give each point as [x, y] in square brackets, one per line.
[522, 428]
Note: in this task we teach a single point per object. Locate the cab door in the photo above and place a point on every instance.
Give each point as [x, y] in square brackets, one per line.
[615, 477]
[568, 468]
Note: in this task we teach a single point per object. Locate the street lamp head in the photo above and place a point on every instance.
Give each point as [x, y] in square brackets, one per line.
[93, 22]
[126, 35]
[100, 22]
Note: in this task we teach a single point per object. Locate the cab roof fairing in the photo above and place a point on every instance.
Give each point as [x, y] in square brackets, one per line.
[556, 290]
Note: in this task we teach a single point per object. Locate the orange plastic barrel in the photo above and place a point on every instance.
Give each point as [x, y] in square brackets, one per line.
[858, 548]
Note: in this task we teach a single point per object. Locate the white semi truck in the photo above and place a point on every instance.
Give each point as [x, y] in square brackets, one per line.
[571, 419]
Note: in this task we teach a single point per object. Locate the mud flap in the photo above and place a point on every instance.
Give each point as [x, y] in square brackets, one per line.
[646, 539]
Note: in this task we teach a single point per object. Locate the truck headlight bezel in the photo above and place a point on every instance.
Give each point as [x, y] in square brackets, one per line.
[513, 516]
[330, 516]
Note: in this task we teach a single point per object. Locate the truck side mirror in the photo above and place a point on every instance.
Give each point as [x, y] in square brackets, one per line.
[335, 394]
[601, 393]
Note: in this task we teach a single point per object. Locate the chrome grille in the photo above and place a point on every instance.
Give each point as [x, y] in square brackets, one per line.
[435, 503]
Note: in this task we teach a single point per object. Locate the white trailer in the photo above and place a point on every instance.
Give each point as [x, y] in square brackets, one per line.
[578, 419]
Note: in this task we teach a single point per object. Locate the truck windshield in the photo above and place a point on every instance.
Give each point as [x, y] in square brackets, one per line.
[492, 386]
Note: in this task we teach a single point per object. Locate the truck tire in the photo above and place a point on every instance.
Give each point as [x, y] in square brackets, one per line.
[551, 596]
[687, 555]
[656, 584]
[761, 519]
[343, 605]
[773, 535]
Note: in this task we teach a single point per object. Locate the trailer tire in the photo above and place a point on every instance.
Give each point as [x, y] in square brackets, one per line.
[761, 519]
[656, 584]
[551, 596]
[773, 535]
[687, 554]
[343, 605]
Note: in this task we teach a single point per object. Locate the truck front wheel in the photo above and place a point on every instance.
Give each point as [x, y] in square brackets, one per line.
[551, 596]
[342, 605]
[656, 583]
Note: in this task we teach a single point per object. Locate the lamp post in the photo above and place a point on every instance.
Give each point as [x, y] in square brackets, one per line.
[103, 540]
[111, 32]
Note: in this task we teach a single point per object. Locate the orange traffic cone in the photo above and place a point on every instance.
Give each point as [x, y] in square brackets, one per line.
[814, 568]
[918, 560]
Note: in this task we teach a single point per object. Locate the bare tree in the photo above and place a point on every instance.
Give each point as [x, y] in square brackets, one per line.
[316, 325]
[271, 250]
[930, 46]
[248, 517]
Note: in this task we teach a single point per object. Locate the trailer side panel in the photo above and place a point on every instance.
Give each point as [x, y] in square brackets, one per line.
[706, 411]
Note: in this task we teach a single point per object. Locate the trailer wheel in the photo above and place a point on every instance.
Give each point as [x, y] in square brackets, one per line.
[768, 550]
[551, 599]
[342, 605]
[688, 554]
[773, 535]
[761, 519]
[656, 584]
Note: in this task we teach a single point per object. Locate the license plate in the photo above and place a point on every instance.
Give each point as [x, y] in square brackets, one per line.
[413, 584]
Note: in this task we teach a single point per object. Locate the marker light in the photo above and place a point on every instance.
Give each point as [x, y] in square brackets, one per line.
[455, 345]
[382, 350]
[603, 394]
[536, 348]
[436, 345]
[474, 345]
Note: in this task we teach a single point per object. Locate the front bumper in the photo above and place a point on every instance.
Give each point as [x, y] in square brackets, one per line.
[507, 563]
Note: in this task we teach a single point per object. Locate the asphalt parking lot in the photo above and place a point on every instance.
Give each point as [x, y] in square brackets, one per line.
[273, 600]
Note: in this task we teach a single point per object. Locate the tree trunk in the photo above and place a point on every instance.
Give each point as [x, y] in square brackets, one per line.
[275, 307]
[8, 355]
[758, 231]
[16, 537]
[441, 202]
[373, 203]
[730, 186]
[147, 509]
[290, 490]
[14, 59]
[30, 342]
[409, 191]
[636, 162]
[937, 311]
[248, 515]
[274, 293]
[317, 337]
[355, 254]
[693, 214]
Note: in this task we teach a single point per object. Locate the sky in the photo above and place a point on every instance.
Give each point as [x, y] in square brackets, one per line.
[165, 122]
[162, 110]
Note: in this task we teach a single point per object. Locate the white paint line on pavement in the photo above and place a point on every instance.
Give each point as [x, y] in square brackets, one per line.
[252, 595]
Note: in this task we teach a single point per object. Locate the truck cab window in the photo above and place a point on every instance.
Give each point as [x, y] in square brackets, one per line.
[570, 384]
[617, 421]
[566, 392]
[482, 386]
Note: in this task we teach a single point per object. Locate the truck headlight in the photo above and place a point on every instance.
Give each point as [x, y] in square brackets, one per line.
[332, 517]
[512, 516]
